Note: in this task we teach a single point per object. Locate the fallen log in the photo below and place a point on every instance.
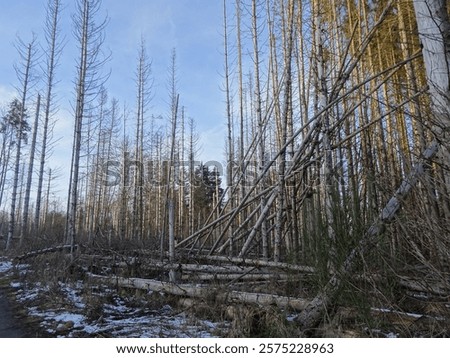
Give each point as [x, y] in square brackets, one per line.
[204, 292]
[433, 288]
[231, 266]
[236, 277]
[228, 269]
[44, 251]
[425, 286]
[259, 263]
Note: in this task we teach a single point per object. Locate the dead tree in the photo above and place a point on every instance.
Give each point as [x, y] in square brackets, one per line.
[90, 37]
[27, 53]
[434, 26]
[53, 51]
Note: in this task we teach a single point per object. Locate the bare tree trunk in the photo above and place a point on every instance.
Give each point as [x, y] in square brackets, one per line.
[27, 57]
[170, 176]
[192, 144]
[241, 101]
[172, 273]
[24, 228]
[286, 114]
[201, 292]
[230, 142]
[90, 37]
[47, 197]
[143, 98]
[53, 52]
[434, 32]
[260, 124]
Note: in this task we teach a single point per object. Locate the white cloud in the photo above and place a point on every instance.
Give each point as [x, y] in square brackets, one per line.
[212, 144]
[7, 93]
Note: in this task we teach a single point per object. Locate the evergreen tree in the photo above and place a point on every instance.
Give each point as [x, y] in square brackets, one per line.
[207, 189]
[14, 121]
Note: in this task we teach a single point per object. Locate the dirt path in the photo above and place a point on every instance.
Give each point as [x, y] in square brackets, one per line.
[9, 326]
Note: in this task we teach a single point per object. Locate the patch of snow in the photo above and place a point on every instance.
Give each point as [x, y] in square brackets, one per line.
[291, 317]
[77, 319]
[119, 319]
[30, 296]
[387, 310]
[209, 324]
[380, 333]
[72, 295]
[420, 295]
[91, 329]
[119, 307]
[23, 267]
[392, 335]
[5, 266]
[166, 309]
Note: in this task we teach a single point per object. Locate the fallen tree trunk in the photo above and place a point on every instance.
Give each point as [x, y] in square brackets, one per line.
[44, 251]
[425, 286]
[231, 269]
[205, 292]
[259, 263]
[311, 316]
[236, 277]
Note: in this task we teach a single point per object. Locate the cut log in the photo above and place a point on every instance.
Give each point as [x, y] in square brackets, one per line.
[231, 265]
[205, 292]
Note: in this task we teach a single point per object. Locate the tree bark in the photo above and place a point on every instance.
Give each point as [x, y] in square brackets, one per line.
[205, 292]
[53, 52]
[26, 205]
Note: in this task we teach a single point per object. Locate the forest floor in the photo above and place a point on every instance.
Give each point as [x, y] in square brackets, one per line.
[72, 309]
[51, 295]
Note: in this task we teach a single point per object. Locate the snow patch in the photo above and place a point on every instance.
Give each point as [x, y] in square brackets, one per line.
[5, 266]
[119, 317]
[392, 335]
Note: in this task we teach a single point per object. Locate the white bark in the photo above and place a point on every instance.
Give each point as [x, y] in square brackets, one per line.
[434, 32]
[260, 263]
[205, 292]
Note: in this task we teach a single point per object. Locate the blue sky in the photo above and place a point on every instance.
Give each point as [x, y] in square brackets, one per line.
[192, 27]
